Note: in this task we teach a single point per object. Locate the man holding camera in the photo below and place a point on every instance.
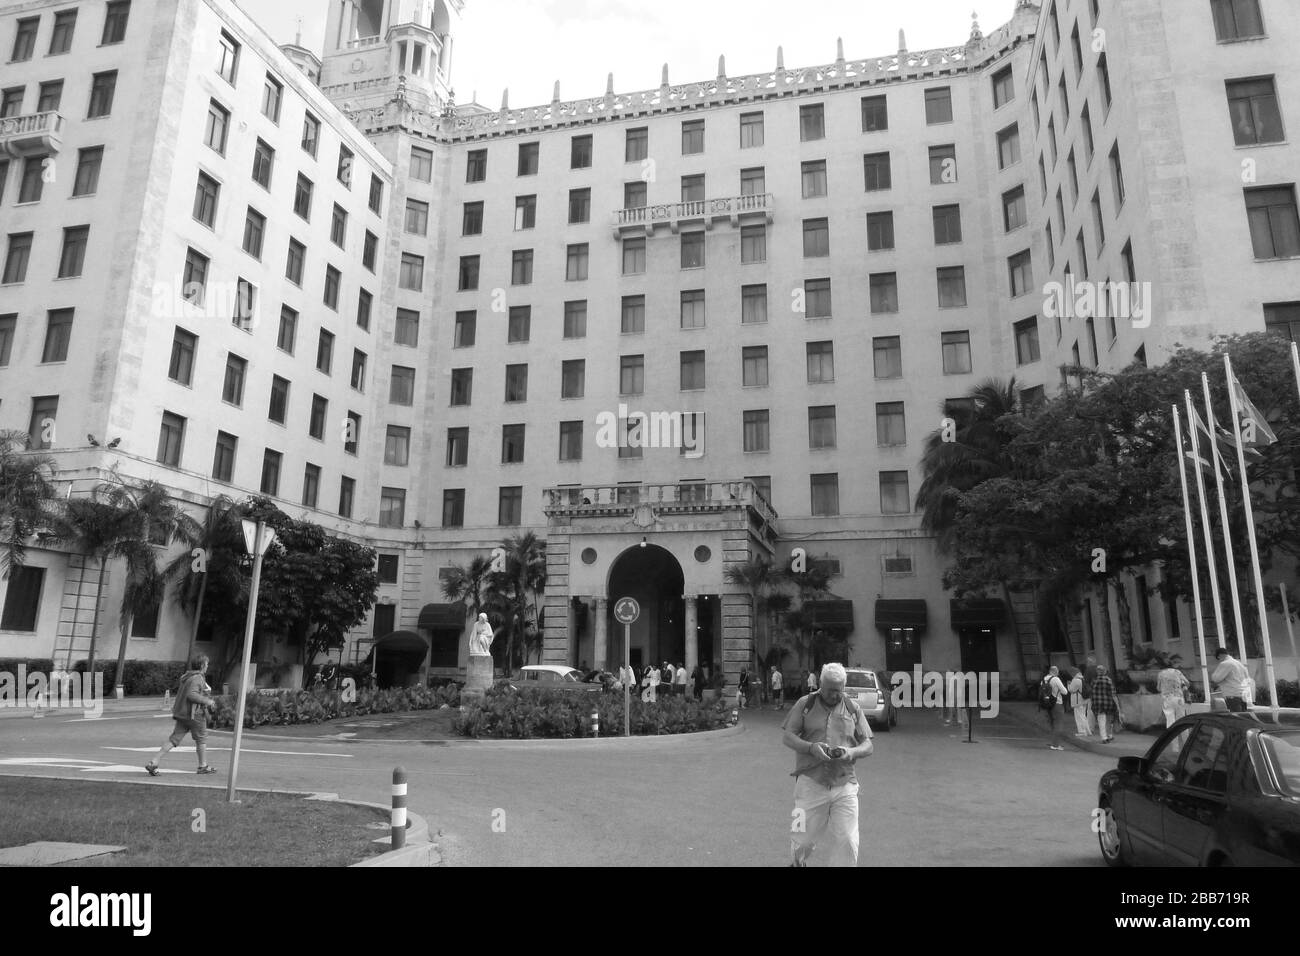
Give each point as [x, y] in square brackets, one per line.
[828, 732]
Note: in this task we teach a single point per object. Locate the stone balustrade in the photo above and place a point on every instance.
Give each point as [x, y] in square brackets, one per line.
[697, 211]
[675, 498]
[32, 134]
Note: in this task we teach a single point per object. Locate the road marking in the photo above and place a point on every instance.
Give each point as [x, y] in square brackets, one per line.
[242, 750]
[78, 720]
[72, 763]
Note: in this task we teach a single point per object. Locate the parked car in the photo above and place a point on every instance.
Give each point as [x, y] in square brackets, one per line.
[553, 677]
[872, 692]
[1215, 789]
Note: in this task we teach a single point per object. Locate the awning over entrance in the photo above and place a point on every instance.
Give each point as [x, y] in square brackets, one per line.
[830, 614]
[434, 616]
[981, 612]
[895, 613]
[401, 642]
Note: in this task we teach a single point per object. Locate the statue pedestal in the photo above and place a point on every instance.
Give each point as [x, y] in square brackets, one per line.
[478, 678]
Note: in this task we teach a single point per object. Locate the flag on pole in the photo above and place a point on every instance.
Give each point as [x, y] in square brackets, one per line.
[1207, 441]
[1254, 429]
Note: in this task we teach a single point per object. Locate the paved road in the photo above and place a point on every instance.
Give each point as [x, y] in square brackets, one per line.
[927, 799]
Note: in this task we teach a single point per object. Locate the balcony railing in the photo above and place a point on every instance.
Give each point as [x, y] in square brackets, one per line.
[701, 211]
[688, 497]
[35, 134]
[361, 43]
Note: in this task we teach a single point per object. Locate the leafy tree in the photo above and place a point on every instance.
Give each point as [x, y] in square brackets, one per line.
[468, 584]
[515, 591]
[27, 497]
[216, 539]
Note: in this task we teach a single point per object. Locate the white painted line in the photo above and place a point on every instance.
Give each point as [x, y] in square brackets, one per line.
[242, 750]
[82, 720]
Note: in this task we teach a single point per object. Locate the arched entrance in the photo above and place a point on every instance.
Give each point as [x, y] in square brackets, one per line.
[653, 577]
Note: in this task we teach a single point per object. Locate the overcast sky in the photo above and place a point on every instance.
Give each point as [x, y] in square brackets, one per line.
[579, 42]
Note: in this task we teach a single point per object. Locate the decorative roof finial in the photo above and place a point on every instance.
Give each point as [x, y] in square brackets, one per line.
[839, 51]
[609, 85]
[298, 40]
[555, 97]
[902, 42]
[505, 99]
[664, 81]
[722, 67]
[780, 59]
[975, 33]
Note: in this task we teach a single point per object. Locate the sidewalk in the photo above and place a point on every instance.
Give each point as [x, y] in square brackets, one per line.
[112, 708]
[1028, 715]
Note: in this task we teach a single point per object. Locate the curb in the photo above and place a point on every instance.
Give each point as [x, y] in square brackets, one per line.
[492, 741]
[1089, 744]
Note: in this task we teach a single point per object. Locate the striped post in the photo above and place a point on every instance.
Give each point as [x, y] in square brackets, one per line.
[735, 716]
[399, 808]
[595, 722]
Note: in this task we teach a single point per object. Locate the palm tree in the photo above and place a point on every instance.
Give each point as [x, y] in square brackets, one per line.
[218, 534]
[758, 579]
[519, 586]
[26, 495]
[466, 584]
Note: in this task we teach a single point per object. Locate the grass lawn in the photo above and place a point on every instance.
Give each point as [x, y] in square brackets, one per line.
[154, 824]
[407, 725]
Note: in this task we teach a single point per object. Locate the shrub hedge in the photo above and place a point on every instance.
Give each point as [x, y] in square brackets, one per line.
[533, 713]
[316, 706]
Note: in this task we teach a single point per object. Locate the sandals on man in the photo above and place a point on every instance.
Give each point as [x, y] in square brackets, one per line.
[206, 768]
[152, 768]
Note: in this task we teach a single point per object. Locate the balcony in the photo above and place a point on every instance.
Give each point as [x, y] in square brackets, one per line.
[702, 212]
[684, 498]
[37, 134]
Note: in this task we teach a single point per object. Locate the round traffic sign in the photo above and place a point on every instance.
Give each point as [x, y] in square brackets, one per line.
[626, 610]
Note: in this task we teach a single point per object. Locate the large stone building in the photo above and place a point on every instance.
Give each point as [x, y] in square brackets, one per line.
[669, 331]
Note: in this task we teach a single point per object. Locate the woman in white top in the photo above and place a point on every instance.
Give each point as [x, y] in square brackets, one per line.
[1079, 705]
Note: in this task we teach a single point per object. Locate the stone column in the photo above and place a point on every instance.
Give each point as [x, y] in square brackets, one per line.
[692, 633]
[600, 632]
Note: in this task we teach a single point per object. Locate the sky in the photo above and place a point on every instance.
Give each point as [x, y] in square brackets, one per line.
[579, 42]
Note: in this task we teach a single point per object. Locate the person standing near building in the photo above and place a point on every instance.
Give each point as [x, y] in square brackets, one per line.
[191, 715]
[744, 688]
[679, 681]
[1105, 704]
[1050, 693]
[1230, 678]
[828, 732]
[777, 679]
[1089, 675]
[1078, 705]
[1172, 685]
[811, 683]
[697, 682]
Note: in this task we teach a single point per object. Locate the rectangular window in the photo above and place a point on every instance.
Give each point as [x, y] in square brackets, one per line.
[573, 378]
[519, 323]
[295, 262]
[693, 188]
[576, 260]
[516, 383]
[7, 325]
[692, 137]
[17, 257]
[753, 182]
[462, 387]
[956, 353]
[417, 217]
[821, 426]
[272, 98]
[232, 387]
[263, 163]
[319, 413]
[580, 150]
[875, 114]
[692, 250]
[359, 370]
[1281, 318]
[876, 171]
[579, 206]
[1014, 211]
[464, 330]
[884, 292]
[756, 424]
[376, 200]
[206, 191]
[575, 319]
[475, 165]
[50, 98]
[40, 430]
[895, 498]
[58, 335]
[880, 231]
[813, 179]
[821, 362]
[65, 23]
[11, 102]
[467, 277]
[333, 278]
[1253, 111]
[812, 122]
[271, 461]
[751, 130]
[753, 364]
[816, 238]
[471, 223]
[952, 287]
[310, 485]
[571, 441]
[325, 352]
[528, 158]
[421, 164]
[194, 279]
[512, 444]
[1009, 146]
[1274, 226]
[1021, 272]
[397, 446]
[1004, 89]
[753, 244]
[171, 437]
[302, 197]
[223, 458]
[947, 225]
[521, 267]
[86, 182]
[692, 370]
[525, 212]
[457, 447]
[634, 257]
[364, 302]
[347, 496]
[692, 309]
[228, 58]
[392, 508]
[938, 105]
[825, 494]
[1027, 341]
[407, 331]
[817, 298]
[254, 232]
[1234, 19]
[753, 304]
[631, 375]
[633, 315]
[25, 39]
[453, 508]
[943, 165]
[310, 135]
[278, 409]
[510, 506]
[401, 386]
[181, 367]
[23, 595]
[352, 436]
[344, 170]
[891, 428]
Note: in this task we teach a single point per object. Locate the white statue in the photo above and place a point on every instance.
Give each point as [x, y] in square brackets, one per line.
[480, 639]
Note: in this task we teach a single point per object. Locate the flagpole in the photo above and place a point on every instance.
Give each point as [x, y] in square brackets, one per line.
[1191, 556]
[1213, 428]
[1295, 363]
[1269, 674]
[1290, 633]
[1210, 559]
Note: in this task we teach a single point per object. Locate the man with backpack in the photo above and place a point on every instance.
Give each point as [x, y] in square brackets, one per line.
[191, 715]
[828, 732]
[1050, 692]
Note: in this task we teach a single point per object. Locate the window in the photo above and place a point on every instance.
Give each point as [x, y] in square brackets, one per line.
[1117, 177]
[463, 333]
[206, 192]
[65, 24]
[181, 367]
[457, 447]
[631, 374]
[692, 309]
[692, 250]
[894, 496]
[364, 302]
[952, 287]
[467, 278]
[1103, 74]
[17, 257]
[575, 269]
[1014, 211]
[880, 231]
[1009, 146]
[319, 412]
[692, 370]
[272, 98]
[1097, 220]
[821, 426]
[890, 425]
[1089, 145]
[947, 225]
[1254, 112]
[525, 212]
[693, 188]
[825, 494]
[278, 409]
[751, 130]
[228, 58]
[310, 486]
[217, 128]
[512, 444]
[956, 353]
[821, 362]
[294, 263]
[571, 441]
[753, 181]
[254, 232]
[332, 280]
[634, 195]
[884, 292]
[753, 304]
[344, 169]
[7, 325]
[58, 333]
[86, 182]
[575, 319]
[263, 163]
[519, 323]
[876, 171]
[325, 352]
[579, 206]
[25, 39]
[1274, 226]
[397, 446]
[453, 507]
[521, 267]
[510, 506]
[475, 165]
[50, 98]
[302, 197]
[1051, 140]
[634, 257]
[223, 458]
[1020, 270]
[471, 223]
[580, 152]
[1065, 100]
[756, 430]
[417, 221]
[11, 102]
[310, 135]
[462, 387]
[692, 137]
[938, 106]
[1130, 270]
[1004, 88]
[943, 165]
[816, 238]
[359, 370]
[194, 279]
[517, 383]
[573, 378]
[347, 496]
[1233, 19]
[753, 244]
[528, 157]
[633, 315]
[812, 122]
[1073, 167]
[40, 431]
[817, 298]
[271, 461]
[376, 200]
[407, 331]
[814, 179]
[352, 435]
[1027, 341]
[23, 596]
[232, 387]
[401, 386]
[392, 508]
[875, 114]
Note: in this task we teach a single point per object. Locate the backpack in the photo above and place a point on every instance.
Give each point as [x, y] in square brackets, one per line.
[1046, 699]
[850, 705]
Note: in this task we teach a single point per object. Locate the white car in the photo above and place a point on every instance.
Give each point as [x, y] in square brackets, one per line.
[554, 677]
[872, 693]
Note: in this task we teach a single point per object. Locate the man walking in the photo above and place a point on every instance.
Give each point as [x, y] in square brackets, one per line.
[1172, 685]
[1105, 704]
[828, 732]
[1230, 677]
[777, 679]
[191, 714]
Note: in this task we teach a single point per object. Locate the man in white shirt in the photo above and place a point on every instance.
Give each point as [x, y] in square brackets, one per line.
[777, 679]
[679, 680]
[1230, 678]
[1172, 685]
[1057, 690]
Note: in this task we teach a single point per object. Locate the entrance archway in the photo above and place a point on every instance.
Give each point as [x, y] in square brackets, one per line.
[652, 576]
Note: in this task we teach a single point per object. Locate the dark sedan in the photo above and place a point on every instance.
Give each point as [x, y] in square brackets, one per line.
[1215, 790]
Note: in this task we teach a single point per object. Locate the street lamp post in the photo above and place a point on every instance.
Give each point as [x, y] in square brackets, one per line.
[258, 539]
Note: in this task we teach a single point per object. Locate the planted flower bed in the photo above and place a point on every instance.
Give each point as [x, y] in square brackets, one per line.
[531, 713]
[317, 706]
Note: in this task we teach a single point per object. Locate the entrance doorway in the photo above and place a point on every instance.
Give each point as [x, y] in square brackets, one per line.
[653, 577]
[979, 649]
